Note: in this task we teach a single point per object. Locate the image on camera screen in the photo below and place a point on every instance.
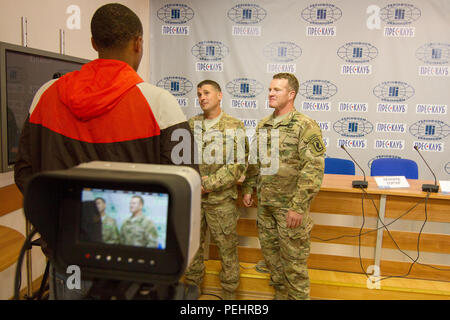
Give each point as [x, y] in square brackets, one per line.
[122, 217]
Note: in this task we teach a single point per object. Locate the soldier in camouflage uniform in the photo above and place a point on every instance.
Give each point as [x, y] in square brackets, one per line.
[284, 197]
[220, 168]
[110, 232]
[138, 230]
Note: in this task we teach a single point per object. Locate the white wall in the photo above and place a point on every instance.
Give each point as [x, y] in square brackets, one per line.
[45, 18]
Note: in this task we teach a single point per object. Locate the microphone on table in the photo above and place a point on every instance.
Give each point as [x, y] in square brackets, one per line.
[428, 187]
[357, 183]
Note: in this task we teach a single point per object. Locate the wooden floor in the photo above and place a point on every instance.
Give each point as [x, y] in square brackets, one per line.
[327, 285]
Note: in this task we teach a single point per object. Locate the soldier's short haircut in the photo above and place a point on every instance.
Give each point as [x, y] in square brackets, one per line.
[114, 25]
[292, 81]
[100, 198]
[210, 82]
[140, 199]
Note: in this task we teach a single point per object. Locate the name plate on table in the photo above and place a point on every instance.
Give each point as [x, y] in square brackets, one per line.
[391, 182]
[445, 186]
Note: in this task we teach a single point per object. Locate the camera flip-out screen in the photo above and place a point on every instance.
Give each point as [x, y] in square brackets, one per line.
[121, 221]
[131, 218]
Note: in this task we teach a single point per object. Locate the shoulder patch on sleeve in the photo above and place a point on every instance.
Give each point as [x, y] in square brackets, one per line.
[314, 141]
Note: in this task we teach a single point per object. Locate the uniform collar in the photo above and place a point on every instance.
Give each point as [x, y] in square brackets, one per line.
[217, 125]
[283, 122]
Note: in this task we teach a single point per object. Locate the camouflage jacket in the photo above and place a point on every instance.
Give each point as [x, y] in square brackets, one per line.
[223, 165]
[300, 167]
[139, 231]
[110, 232]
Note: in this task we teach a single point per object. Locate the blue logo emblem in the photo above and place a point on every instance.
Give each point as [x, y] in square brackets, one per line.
[369, 164]
[247, 14]
[434, 53]
[447, 167]
[430, 129]
[322, 13]
[357, 52]
[175, 13]
[317, 89]
[353, 127]
[400, 13]
[282, 51]
[244, 88]
[210, 50]
[178, 86]
[393, 91]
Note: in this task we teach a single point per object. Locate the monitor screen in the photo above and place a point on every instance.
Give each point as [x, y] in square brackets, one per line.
[122, 217]
[25, 74]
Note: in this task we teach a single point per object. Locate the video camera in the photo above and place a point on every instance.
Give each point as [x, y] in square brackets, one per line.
[156, 248]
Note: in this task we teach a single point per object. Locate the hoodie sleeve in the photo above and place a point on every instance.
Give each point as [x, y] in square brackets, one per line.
[177, 141]
[22, 167]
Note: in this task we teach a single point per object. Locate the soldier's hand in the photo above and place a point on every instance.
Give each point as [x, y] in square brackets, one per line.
[203, 189]
[293, 219]
[247, 200]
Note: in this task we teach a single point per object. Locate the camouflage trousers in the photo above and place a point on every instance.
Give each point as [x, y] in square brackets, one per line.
[285, 252]
[221, 219]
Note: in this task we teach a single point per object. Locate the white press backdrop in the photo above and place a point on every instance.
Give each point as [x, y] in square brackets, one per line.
[374, 74]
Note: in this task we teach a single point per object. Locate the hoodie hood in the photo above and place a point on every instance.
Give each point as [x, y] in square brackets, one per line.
[97, 87]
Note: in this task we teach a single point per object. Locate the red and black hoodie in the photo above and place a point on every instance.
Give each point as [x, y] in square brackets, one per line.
[105, 112]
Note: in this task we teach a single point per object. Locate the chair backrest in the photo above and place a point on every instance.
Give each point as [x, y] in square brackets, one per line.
[339, 166]
[394, 167]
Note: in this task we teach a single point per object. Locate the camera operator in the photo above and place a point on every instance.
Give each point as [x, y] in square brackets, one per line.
[105, 112]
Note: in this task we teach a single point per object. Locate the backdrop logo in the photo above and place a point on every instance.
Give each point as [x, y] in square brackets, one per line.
[247, 14]
[434, 53]
[324, 125]
[447, 167]
[357, 52]
[438, 109]
[250, 123]
[386, 127]
[429, 146]
[244, 88]
[353, 107]
[430, 130]
[210, 50]
[322, 13]
[352, 143]
[389, 144]
[282, 51]
[399, 14]
[381, 156]
[178, 86]
[175, 13]
[393, 91]
[353, 127]
[317, 89]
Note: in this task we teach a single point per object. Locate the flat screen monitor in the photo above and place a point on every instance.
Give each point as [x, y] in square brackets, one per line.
[23, 71]
[122, 217]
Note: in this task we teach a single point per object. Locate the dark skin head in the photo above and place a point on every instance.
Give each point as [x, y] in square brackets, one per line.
[131, 53]
[117, 34]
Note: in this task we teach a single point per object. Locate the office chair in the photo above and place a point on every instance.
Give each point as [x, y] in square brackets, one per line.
[339, 166]
[394, 167]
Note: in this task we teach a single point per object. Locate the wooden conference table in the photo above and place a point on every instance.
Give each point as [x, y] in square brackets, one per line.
[337, 197]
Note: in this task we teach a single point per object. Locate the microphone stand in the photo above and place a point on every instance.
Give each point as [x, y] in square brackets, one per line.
[357, 183]
[428, 187]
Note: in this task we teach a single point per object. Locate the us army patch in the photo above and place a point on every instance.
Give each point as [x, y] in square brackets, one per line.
[316, 145]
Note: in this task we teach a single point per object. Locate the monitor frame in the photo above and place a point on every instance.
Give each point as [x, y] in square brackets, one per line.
[4, 48]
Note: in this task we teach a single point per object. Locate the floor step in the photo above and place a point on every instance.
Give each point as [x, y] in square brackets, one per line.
[327, 285]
